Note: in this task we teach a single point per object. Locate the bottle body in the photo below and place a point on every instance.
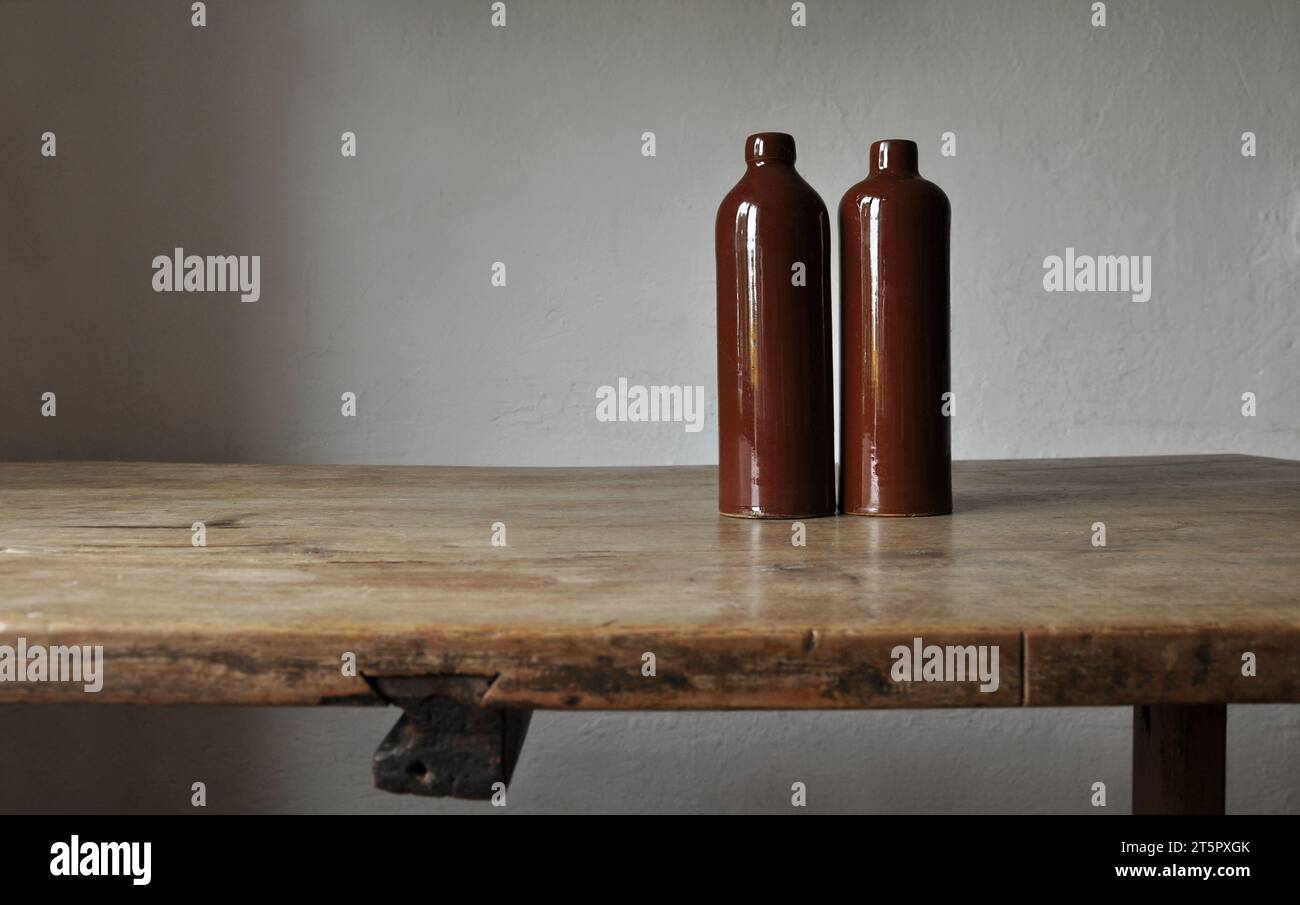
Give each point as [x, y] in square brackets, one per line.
[895, 441]
[776, 425]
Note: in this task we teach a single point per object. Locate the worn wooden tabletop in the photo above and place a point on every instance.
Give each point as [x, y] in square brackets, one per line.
[396, 565]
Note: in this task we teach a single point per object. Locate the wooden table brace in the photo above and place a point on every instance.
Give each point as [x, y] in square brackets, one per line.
[446, 743]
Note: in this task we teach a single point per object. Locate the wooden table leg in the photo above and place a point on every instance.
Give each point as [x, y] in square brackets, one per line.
[1179, 751]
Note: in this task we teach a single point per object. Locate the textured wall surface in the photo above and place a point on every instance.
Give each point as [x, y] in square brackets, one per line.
[523, 145]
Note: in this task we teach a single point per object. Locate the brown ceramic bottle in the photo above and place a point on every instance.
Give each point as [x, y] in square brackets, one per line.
[776, 427]
[895, 447]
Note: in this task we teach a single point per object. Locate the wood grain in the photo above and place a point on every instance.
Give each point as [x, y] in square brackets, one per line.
[396, 565]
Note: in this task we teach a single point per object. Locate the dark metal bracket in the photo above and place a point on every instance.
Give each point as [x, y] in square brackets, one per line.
[446, 743]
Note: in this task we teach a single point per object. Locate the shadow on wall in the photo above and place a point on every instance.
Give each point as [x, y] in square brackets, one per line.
[127, 759]
[166, 137]
[88, 759]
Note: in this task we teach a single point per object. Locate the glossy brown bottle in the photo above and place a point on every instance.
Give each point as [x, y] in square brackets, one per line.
[776, 429]
[895, 437]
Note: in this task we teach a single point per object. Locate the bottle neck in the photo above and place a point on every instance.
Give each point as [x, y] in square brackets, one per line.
[894, 157]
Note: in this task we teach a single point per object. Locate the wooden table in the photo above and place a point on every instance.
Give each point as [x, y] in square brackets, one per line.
[306, 565]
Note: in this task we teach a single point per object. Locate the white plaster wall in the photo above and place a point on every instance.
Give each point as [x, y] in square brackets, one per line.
[522, 145]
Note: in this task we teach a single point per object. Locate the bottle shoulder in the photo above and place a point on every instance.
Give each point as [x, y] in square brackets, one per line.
[916, 189]
[775, 190]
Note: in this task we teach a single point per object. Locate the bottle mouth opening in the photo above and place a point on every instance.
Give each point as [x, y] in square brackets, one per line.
[769, 146]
